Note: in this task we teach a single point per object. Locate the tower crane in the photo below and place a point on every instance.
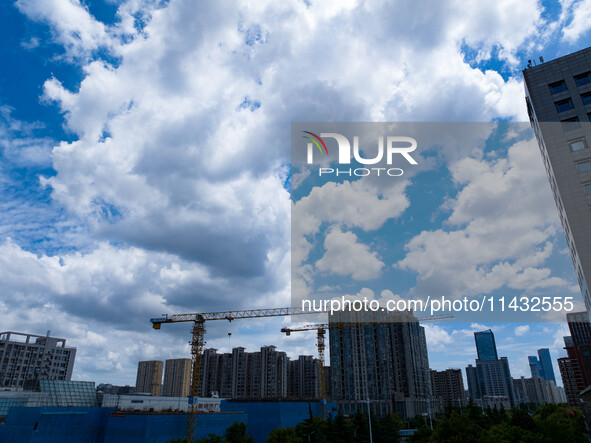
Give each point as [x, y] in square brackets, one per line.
[321, 328]
[197, 342]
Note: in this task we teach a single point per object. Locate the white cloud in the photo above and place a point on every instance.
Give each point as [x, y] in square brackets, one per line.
[437, 337]
[178, 160]
[521, 330]
[72, 25]
[502, 222]
[345, 255]
[581, 20]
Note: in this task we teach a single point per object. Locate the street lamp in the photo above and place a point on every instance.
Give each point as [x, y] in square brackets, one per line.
[369, 418]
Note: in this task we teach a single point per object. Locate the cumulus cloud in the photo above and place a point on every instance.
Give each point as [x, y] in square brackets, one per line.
[178, 147]
[521, 330]
[500, 229]
[345, 255]
[71, 24]
[580, 23]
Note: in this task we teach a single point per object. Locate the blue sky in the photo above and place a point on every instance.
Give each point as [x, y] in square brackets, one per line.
[144, 144]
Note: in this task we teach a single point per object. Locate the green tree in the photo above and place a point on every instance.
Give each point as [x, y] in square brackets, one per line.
[312, 430]
[505, 433]
[455, 428]
[284, 435]
[211, 438]
[236, 433]
[521, 417]
[560, 423]
[422, 434]
[340, 430]
[386, 429]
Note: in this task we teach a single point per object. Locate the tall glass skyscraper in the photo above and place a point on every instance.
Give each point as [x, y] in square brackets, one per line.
[541, 366]
[492, 376]
[547, 371]
[485, 345]
[534, 366]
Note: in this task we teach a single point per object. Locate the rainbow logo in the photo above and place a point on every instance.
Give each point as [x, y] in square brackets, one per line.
[316, 142]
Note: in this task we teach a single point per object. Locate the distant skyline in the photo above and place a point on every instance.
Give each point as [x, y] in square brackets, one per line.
[145, 162]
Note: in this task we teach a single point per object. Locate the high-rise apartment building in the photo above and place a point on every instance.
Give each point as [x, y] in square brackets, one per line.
[576, 369]
[536, 390]
[25, 357]
[580, 328]
[177, 378]
[474, 391]
[303, 377]
[571, 379]
[495, 379]
[149, 377]
[243, 374]
[558, 98]
[449, 386]
[381, 357]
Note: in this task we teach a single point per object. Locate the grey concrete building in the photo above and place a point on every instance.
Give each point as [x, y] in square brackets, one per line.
[25, 357]
[243, 374]
[495, 379]
[449, 386]
[491, 377]
[303, 378]
[536, 390]
[473, 384]
[381, 357]
[558, 98]
[177, 378]
[149, 377]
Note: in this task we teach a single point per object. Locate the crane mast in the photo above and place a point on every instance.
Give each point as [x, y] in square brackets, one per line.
[198, 340]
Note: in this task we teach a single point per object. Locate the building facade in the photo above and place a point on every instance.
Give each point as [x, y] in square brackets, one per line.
[576, 369]
[547, 370]
[25, 357]
[149, 377]
[534, 365]
[381, 357]
[486, 348]
[558, 99]
[449, 386]
[245, 375]
[474, 391]
[177, 378]
[571, 379]
[491, 377]
[303, 378]
[536, 390]
[541, 366]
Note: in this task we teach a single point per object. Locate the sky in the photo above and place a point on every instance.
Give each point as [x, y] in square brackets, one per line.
[145, 164]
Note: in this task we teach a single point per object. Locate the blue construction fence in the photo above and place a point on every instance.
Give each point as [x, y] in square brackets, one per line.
[106, 425]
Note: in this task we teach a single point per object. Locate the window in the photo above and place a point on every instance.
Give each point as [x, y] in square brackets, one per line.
[577, 145]
[584, 166]
[570, 123]
[589, 116]
[557, 87]
[586, 97]
[587, 188]
[583, 79]
[564, 105]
